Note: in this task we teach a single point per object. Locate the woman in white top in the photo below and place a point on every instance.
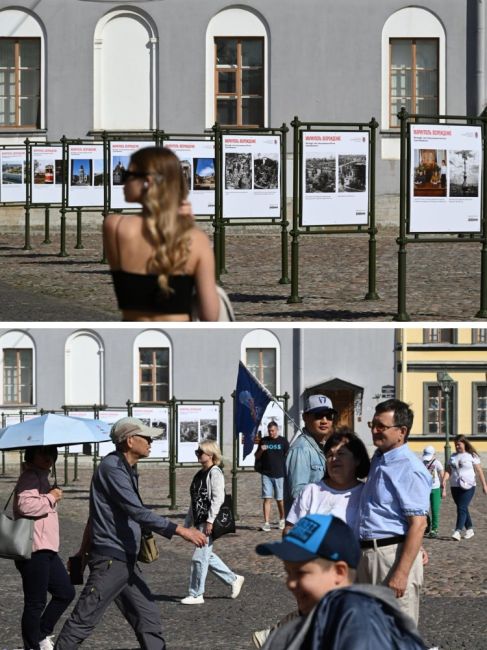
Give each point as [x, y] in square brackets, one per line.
[462, 470]
[207, 495]
[338, 493]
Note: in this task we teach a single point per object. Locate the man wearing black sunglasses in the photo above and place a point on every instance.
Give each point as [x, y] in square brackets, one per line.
[305, 460]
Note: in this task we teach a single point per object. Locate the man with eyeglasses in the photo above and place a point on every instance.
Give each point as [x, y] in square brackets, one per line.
[305, 460]
[393, 509]
[112, 537]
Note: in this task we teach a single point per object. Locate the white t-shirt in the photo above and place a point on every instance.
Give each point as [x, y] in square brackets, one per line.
[462, 470]
[319, 499]
[434, 467]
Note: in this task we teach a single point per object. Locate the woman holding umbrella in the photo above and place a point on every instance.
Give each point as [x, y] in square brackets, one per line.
[44, 572]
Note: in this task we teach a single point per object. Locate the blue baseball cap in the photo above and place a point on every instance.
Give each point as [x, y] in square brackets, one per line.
[316, 536]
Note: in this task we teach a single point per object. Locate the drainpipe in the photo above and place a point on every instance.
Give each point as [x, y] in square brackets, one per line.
[480, 63]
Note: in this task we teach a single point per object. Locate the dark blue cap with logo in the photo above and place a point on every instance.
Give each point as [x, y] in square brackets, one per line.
[316, 536]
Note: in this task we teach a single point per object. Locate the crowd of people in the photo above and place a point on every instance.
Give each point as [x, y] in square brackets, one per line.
[352, 532]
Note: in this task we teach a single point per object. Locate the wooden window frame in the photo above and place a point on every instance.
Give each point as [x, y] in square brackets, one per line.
[441, 397]
[261, 366]
[18, 89]
[238, 95]
[18, 386]
[414, 95]
[475, 407]
[429, 339]
[153, 383]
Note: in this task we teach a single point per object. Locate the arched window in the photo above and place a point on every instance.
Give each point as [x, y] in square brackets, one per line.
[152, 363]
[261, 353]
[17, 359]
[413, 69]
[22, 70]
[236, 69]
[125, 72]
[84, 369]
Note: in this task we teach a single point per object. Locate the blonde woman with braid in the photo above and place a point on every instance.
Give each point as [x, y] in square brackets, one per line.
[159, 257]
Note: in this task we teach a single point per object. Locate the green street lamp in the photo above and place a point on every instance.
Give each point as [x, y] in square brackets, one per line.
[446, 385]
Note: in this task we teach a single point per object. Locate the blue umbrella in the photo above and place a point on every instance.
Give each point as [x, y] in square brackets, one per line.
[52, 429]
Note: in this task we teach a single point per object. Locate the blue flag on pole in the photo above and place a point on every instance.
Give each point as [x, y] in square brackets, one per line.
[251, 401]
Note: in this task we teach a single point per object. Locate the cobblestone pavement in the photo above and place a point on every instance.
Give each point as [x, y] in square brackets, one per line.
[443, 279]
[453, 604]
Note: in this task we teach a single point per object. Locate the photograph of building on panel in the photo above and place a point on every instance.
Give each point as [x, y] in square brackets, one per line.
[321, 175]
[120, 164]
[43, 172]
[162, 426]
[266, 172]
[97, 172]
[186, 168]
[352, 173]
[81, 171]
[208, 429]
[429, 180]
[188, 431]
[238, 171]
[204, 173]
[12, 173]
[464, 172]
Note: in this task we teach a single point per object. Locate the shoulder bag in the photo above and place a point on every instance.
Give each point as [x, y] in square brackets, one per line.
[226, 313]
[15, 536]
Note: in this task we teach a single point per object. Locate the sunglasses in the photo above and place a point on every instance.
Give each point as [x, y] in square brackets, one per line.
[127, 175]
[319, 415]
[148, 439]
[199, 452]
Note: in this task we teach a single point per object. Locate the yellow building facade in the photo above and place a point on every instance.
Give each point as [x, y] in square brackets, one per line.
[422, 353]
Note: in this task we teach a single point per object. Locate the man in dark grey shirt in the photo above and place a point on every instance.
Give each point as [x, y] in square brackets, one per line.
[112, 536]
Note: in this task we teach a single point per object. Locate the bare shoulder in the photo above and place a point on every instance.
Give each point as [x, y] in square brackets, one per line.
[199, 240]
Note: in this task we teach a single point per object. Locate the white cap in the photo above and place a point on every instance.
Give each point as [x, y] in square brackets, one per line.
[429, 452]
[316, 403]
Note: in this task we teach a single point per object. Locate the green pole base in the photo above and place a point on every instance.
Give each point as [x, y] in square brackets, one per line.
[103, 260]
[403, 316]
[62, 254]
[372, 295]
[294, 300]
[482, 313]
[173, 507]
[285, 280]
[47, 241]
[79, 247]
[27, 247]
[223, 270]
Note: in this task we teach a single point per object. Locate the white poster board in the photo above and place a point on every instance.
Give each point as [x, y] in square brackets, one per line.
[85, 175]
[47, 174]
[12, 175]
[157, 417]
[335, 171]
[109, 417]
[251, 176]
[198, 163]
[445, 178]
[195, 423]
[119, 160]
[273, 413]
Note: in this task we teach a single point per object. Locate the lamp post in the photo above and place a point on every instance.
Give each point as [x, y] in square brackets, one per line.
[446, 386]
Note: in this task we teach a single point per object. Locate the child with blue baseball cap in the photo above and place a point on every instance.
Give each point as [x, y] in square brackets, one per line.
[320, 556]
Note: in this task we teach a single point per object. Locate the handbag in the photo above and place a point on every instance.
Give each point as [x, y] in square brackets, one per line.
[226, 313]
[148, 548]
[224, 521]
[258, 465]
[15, 536]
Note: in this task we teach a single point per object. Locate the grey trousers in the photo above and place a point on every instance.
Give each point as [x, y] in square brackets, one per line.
[112, 580]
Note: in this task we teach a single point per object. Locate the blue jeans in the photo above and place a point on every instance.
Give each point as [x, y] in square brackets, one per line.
[44, 573]
[462, 500]
[202, 560]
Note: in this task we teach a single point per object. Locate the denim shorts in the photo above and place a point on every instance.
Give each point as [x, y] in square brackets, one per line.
[272, 487]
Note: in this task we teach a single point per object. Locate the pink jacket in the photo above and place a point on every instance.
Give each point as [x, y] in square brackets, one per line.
[32, 500]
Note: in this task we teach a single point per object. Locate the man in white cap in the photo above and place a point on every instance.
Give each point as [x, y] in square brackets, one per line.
[112, 541]
[435, 468]
[305, 460]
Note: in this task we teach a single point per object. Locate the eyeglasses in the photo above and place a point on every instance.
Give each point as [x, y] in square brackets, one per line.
[199, 452]
[148, 439]
[127, 175]
[319, 415]
[381, 428]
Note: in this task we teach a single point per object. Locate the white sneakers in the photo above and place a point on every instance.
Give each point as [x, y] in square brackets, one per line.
[47, 643]
[456, 535]
[266, 527]
[469, 533]
[193, 600]
[282, 524]
[259, 637]
[237, 586]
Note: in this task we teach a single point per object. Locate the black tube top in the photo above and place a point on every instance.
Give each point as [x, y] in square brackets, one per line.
[139, 292]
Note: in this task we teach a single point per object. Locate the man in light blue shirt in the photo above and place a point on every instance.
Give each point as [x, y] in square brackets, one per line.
[305, 460]
[393, 509]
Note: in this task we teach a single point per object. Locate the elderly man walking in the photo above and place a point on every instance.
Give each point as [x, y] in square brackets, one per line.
[393, 509]
[112, 537]
[305, 460]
